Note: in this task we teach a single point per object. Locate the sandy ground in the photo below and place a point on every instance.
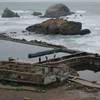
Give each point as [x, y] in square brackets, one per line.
[59, 93]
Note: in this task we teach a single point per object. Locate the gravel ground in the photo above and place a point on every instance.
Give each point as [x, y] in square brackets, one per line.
[59, 93]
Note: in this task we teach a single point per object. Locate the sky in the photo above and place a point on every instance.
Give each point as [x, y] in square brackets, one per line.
[42, 0]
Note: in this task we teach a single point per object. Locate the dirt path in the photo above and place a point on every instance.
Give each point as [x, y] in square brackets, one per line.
[59, 93]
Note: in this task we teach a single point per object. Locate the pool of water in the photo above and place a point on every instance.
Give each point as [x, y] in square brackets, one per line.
[21, 51]
[90, 75]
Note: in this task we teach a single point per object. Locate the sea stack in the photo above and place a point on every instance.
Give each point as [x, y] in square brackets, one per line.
[8, 13]
[57, 10]
[58, 26]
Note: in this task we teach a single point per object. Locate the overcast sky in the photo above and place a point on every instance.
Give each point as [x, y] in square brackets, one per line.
[42, 0]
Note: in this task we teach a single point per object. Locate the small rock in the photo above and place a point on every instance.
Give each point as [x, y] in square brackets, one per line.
[37, 13]
[23, 31]
[85, 31]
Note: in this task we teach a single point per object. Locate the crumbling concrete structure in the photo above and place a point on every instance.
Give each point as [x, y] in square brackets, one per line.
[47, 72]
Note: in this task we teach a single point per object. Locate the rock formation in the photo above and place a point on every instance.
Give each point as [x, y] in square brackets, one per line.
[8, 13]
[58, 26]
[57, 11]
[37, 13]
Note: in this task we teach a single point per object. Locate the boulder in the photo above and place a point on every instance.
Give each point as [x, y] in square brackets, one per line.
[57, 10]
[58, 26]
[85, 31]
[37, 13]
[8, 13]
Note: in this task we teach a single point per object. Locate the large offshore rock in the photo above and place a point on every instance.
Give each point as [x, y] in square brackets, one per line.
[58, 26]
[8, 13]
[57, 10]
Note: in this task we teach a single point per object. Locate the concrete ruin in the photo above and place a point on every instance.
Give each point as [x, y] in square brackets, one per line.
[48, 72]
[26, 73]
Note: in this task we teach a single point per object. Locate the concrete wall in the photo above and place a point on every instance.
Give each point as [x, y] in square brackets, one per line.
[50, 79]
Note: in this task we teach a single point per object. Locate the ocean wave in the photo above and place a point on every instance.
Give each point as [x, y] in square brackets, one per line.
[81, 11]
[72, 42]
[97, 28]
[22, 11]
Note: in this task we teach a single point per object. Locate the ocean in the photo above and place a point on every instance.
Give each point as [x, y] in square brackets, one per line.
[90, 19]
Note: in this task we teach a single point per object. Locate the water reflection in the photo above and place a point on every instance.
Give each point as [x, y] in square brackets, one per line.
[90, 75]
